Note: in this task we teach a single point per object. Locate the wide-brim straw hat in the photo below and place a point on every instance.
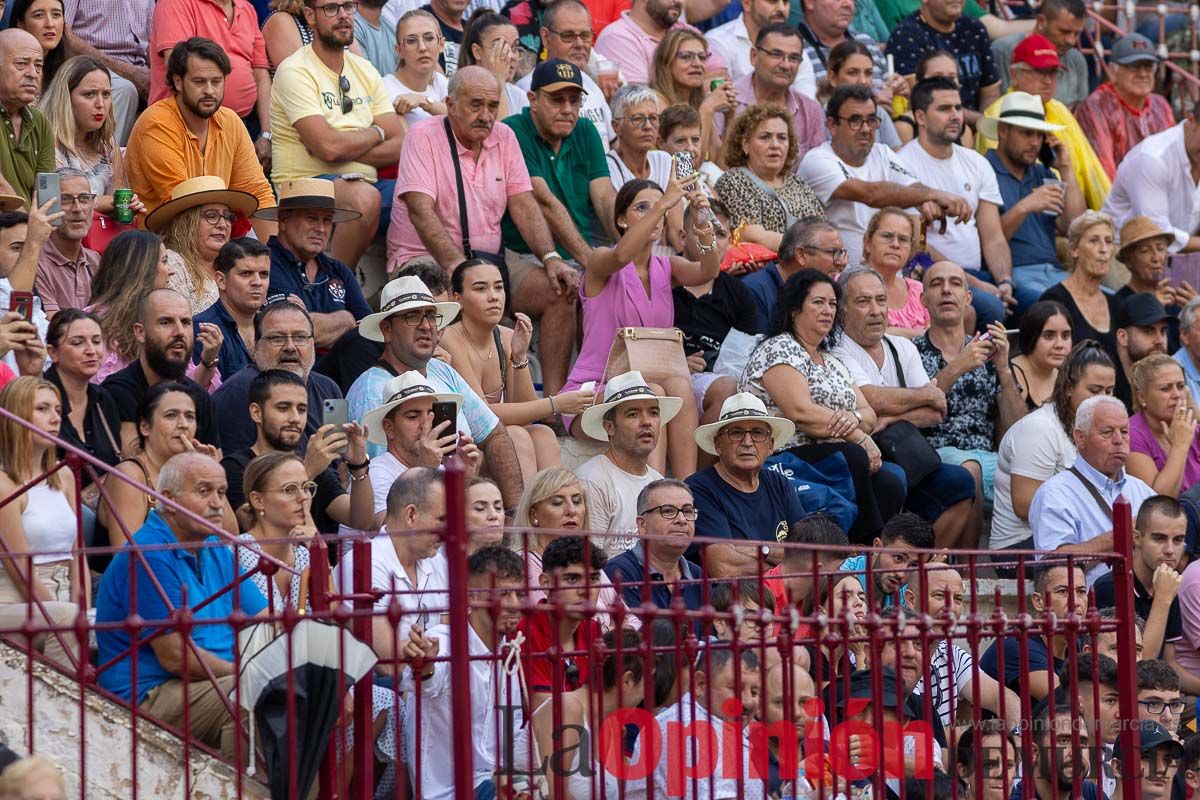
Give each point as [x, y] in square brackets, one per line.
[743, 407]
[405, 293]
[305, 193]
[1021, 109]
[1139, 229]
[201, 191]
[625, 388]
[399, 390]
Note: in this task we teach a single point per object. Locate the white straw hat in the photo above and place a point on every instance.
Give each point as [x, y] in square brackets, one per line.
[740, 407]
[398, 391]
[624, 388]
[405, 293]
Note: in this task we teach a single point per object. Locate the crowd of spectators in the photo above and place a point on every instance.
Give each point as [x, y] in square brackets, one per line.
[911, 274]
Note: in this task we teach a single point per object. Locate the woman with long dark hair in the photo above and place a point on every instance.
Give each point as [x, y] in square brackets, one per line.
[46, 20]
[1044, 339]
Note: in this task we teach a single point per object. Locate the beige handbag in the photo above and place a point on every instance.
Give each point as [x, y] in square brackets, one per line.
[657, 353]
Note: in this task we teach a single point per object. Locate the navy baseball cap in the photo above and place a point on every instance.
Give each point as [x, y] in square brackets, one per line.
[555, 75]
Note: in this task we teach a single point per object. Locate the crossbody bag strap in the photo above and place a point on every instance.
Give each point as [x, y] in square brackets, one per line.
[462, 195]
[1093, 491]
[770, 191]
[896, 359]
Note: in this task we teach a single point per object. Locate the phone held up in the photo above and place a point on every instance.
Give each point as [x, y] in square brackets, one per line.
[336, 411]
[22, 303]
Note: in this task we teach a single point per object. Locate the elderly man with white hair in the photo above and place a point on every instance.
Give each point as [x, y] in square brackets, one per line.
[1072, 512]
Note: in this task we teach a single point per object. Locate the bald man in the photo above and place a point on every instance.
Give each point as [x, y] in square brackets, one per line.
[29, 146]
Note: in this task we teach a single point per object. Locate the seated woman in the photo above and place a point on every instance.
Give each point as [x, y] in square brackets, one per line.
[888, 244]
[417, 88]
[1164, 450]
[45, 20]
[1092, 310]
[1044, 339]
[1040, 444]
[1144, 251]
[78, 105]
[850, 62]
[759, 187]
[485, 514]
[627, 285]
[195, 224]
[490, 41]
[794, 374]
[845, 600]
[166, 425]
[38, 528]
[934, 64]
[636, 122]
[680, 72]
[494, 360]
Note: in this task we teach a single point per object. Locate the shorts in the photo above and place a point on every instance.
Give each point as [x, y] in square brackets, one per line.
[987, 465]
[701, 383]
[520, 265]
[948, 485]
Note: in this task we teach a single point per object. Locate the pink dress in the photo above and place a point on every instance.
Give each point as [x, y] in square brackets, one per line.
[914, 314]
[1141, 440]
[622, 303]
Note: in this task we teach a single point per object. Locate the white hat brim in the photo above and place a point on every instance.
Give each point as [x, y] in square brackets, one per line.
[990, 126]
[592, 419]
[781, 430]
[369, 327]
[373, 419]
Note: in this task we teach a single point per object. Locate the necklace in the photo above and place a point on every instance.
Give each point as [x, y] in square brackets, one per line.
[491, 351]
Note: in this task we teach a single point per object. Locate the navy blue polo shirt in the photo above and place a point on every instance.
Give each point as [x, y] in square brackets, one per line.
[335, 288]
[233, 354]
[764, 285]
[630, 568]
[1033, 242]
[232, 402]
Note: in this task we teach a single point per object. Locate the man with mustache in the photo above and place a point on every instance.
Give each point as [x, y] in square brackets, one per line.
[283, 339]
[165, 342]
[629, 40]
[278, 407]
[331, 117]
[1141, 323]
[29, 146]
[243, 272]
[65, 266]
[736, 40]
[191, 133]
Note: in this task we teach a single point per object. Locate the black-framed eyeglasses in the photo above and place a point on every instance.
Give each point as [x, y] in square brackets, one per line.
[836, 253]
[690, 513]
[571, 37]
[280, 339]
[212, 216]
[736, 435]
[83, 198]
[1158, 706]
[779, 55]
[414, 318]
[858, 120]
[344, 83]
[331, 9]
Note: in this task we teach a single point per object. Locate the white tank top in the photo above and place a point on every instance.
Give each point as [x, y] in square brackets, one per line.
[49, 522]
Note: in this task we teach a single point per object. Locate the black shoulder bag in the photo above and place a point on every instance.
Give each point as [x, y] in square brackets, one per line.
[493, 258]
[902, 443]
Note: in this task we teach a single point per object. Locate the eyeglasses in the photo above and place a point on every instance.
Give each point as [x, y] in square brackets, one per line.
[690, 56]
[899, 238]
[836, 253]
[857, 121]
[1158, 706]
[344, 82]
[280, 339]
[643, 120]
[671, 512]
[212, 216]
[429, 39]
[571, 37]
[736, 435]
[331, 9]
[293, 490]
[83, 199]
[779, 55]
[414, 318]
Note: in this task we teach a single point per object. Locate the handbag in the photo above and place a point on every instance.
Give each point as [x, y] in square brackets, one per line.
[902, 442]
[740, 252]
[496, 259]
[104, 229]
[657, 353]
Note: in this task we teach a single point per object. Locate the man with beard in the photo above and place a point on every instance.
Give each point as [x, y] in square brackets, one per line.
[630, 40]
[191, 134]
[853, 175]
[165, 339]
[283, 339]
[891, 570]
[1061, 753]
[29, 146]
[278, 406]
[1141, 323]
[65, 266]
[939, 162]
[735, 42]
[331, 118]
[376, 36]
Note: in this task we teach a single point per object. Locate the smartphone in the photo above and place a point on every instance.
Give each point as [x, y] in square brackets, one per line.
[22, 303]
[48, 189]
[684, 168]
[1184, 267]
[445, 411]
[1046, 155]
[336, 411]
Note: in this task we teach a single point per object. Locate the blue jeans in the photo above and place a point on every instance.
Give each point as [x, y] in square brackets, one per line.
[948, 485]
[1033, 279]
[988, 307]
[486, 790]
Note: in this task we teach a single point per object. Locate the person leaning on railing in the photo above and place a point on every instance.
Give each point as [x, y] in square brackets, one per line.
[38, 527]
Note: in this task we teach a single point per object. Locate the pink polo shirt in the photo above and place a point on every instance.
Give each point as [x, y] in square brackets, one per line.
[632, 49]
[426, 167]
[178, 20]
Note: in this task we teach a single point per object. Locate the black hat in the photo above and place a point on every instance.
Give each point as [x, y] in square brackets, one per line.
[861, 687]
[1140, 309]
[1152, 736]
[556, 74]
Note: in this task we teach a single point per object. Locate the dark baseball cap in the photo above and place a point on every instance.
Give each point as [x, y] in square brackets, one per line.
[861, 687]
[1132, 48]
[556, 74]
[1140, 309]
[1151, 736]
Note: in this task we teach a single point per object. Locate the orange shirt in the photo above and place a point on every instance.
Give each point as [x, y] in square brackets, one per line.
[163, 152]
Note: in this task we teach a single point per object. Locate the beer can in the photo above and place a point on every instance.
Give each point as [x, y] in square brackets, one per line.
[121, 200]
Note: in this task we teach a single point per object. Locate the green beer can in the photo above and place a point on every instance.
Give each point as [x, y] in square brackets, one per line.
[121, 208]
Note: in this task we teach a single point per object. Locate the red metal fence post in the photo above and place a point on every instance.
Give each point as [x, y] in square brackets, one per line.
[362, 787]
[460, 667]
[1127, 742]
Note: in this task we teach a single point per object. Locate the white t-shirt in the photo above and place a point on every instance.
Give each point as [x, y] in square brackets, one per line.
[864, 371]
[1035, 447]
[824, 171]
[660, 169]
[384, 470]
[612, 499]
[966, 174]
[423, 601]
[594, 106]
[437, 90]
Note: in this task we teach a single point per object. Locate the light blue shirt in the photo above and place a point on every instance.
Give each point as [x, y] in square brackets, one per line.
[1190, 373]
[475, 418]
[1064, 512]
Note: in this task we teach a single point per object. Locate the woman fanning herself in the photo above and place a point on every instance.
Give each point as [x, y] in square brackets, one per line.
[628, 286]
[495, 362]
[1164, 450]
[1045, 339]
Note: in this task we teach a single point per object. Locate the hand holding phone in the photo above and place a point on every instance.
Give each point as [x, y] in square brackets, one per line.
[22, 303]
[49, 190]
[336, 411]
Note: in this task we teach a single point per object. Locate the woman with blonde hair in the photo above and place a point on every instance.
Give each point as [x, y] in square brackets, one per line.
[888, 244]
[1092, 311]
[679, 72]
[1164, 450]
[38, 528]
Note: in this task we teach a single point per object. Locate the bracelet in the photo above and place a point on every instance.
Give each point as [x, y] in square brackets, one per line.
[553, 407]
[1006, 280]
[705, 249]
[382, 133]
[359, 465]
[520, 365]
[210, 364]
[861, 439]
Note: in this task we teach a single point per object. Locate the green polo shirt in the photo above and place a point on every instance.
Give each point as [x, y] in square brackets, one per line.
[21, 161]
[569, 172]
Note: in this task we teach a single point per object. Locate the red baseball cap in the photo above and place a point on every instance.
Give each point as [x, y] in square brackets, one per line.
[1037, 51]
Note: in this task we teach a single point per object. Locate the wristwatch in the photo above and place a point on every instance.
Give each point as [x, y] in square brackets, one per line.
[265, 136]
[546, 257]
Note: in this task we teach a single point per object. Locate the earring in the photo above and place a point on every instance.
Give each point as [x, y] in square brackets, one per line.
[533, 521]
[262, 512]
